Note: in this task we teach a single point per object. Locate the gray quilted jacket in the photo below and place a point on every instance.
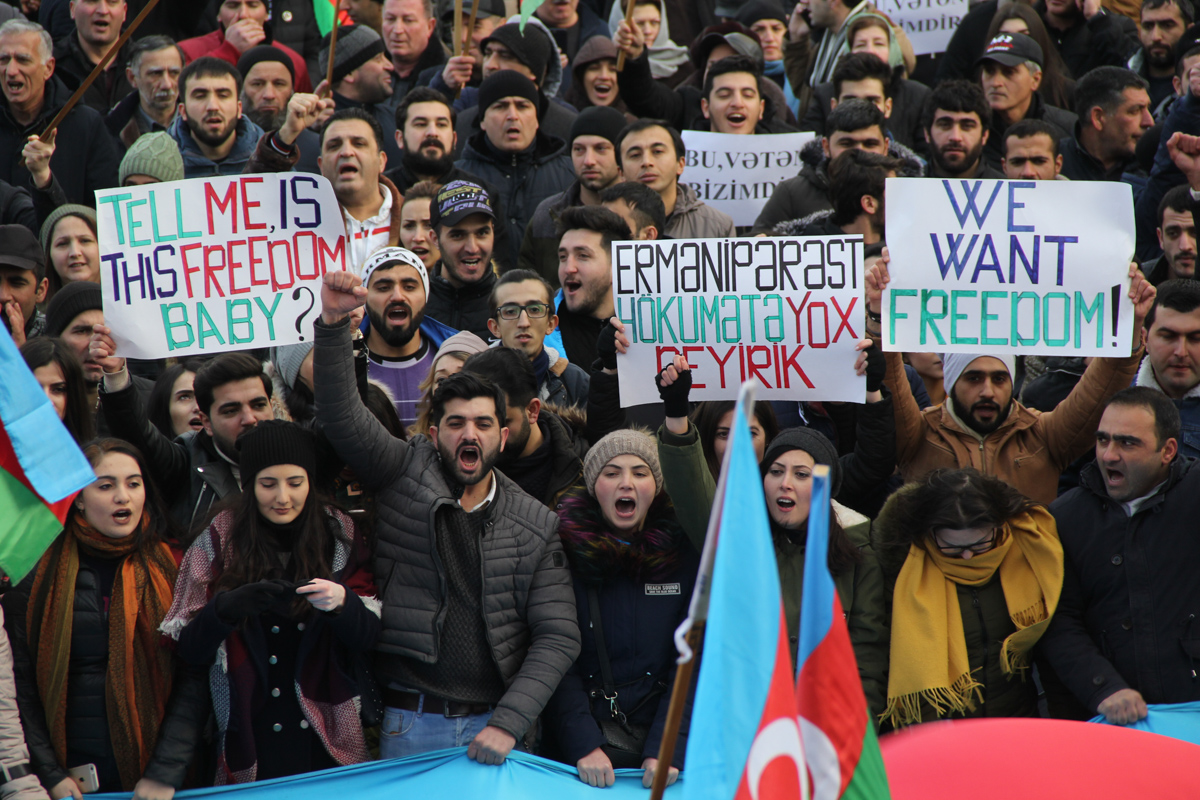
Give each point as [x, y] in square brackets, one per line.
[529, 602]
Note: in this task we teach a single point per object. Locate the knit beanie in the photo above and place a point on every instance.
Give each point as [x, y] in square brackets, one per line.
[603, 121]
[287, 360]
[274, 442]
[812, 442]
[753, 11]
[268, 53]
[461, 342]
[507, 83]
[356, 45]
[69, 302]
[67, 210]
[954, 364]
[155, 155]
[532, 48]
[620, 443]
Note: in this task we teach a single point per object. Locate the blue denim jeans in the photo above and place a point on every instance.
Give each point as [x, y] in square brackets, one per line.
[407, 733]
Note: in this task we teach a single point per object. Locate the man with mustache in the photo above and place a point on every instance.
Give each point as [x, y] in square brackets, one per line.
[464, 220]
[268, 85]
[154, 66]
[213, 136]
[1160, 27]
[401, 342]
[426, 138]
[1123, 634]
[479, 621]
[982, 425]
[1177, 237]
[593, 149]
[1172, 365]
[956, 123]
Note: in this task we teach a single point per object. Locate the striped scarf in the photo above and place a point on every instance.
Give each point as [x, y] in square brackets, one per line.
[138, 678]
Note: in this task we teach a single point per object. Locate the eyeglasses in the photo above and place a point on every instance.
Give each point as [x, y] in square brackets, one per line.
[982, 546]
[511, 311]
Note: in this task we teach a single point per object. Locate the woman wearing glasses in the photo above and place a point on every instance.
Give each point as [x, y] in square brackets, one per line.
[974, 570]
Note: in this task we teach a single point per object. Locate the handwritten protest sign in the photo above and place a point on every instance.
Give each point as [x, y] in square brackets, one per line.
[1009, 267]
[928, 23]
[214, 264]
[737, 174]
[787, 311]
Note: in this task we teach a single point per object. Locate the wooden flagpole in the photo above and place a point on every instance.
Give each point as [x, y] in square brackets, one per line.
[628, 21]
[333, 34]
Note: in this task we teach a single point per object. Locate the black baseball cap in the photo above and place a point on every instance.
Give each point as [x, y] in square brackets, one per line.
[19, 248]
[458, 200]
[1012, 50]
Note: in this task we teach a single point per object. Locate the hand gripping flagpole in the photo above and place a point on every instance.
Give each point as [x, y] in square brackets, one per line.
[690, 633]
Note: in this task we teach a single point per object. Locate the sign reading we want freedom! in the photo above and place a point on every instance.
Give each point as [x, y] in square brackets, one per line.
[213, 264]
[785, 311]
[989, 266]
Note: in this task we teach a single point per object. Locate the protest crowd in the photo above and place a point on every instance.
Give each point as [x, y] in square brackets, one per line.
[437, 521]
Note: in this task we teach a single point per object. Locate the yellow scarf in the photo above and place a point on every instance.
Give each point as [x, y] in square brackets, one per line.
[929, 660]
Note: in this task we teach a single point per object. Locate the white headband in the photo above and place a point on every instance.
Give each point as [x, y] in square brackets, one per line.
[390, 257]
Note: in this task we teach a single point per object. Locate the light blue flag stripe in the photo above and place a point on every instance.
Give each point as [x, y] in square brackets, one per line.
[742, 633]
[442, 774]
[52, 462]
[816, 606]
[1177, 720]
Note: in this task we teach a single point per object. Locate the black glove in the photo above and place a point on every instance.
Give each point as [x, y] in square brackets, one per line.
[675, 396]
[250, 600]
[876, 367]
[606, 346]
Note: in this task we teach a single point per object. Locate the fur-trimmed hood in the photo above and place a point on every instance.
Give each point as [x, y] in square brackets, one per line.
[813, 156]
[598, 554]
[892, 534]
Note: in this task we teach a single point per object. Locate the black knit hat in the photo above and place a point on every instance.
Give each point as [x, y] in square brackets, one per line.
[275, 442]
[812, 442]
[532, 48]
[69, 302]
[603, 121]
[507, 83]
[265, 52]
[754, 10]
[356, 45]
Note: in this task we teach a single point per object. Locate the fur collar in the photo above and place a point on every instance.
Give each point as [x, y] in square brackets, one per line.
[597, 554]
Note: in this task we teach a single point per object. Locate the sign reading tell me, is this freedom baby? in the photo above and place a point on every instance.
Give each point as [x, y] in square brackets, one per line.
[738, 174]
[213, 264]
[785, 311]
[989, 266]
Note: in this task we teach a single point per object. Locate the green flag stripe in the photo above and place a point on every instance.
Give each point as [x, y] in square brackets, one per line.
[324, 11]
[30, 527]
[870, 777]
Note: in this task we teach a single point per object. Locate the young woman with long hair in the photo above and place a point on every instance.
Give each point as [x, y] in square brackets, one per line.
[278, 587]
[60, 375]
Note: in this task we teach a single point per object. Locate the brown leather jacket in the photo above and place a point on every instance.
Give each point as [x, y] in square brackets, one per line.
[1030, 448]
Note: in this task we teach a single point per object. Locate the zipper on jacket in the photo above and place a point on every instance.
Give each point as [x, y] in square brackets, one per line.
[986, 641]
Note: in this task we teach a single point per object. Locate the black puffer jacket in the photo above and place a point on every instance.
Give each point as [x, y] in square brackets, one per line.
[87, 725]
[528, 604]
[523, 180]
[1128, 615]
[464, 308]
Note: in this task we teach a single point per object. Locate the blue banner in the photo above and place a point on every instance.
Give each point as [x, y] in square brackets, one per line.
[445, 773]
[1177, 720]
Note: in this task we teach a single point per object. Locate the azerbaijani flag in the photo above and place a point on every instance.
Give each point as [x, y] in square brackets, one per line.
[839, 739]
[744, 742]
[41, 467]
[326, 11]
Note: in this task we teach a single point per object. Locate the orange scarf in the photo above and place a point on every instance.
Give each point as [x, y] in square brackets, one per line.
[138, 678]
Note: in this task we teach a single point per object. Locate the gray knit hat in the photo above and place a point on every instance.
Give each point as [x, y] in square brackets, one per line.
[620, 443]
[287, 360]
[356, 45]
[814, 443]
[68, 210]
[154, 155]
